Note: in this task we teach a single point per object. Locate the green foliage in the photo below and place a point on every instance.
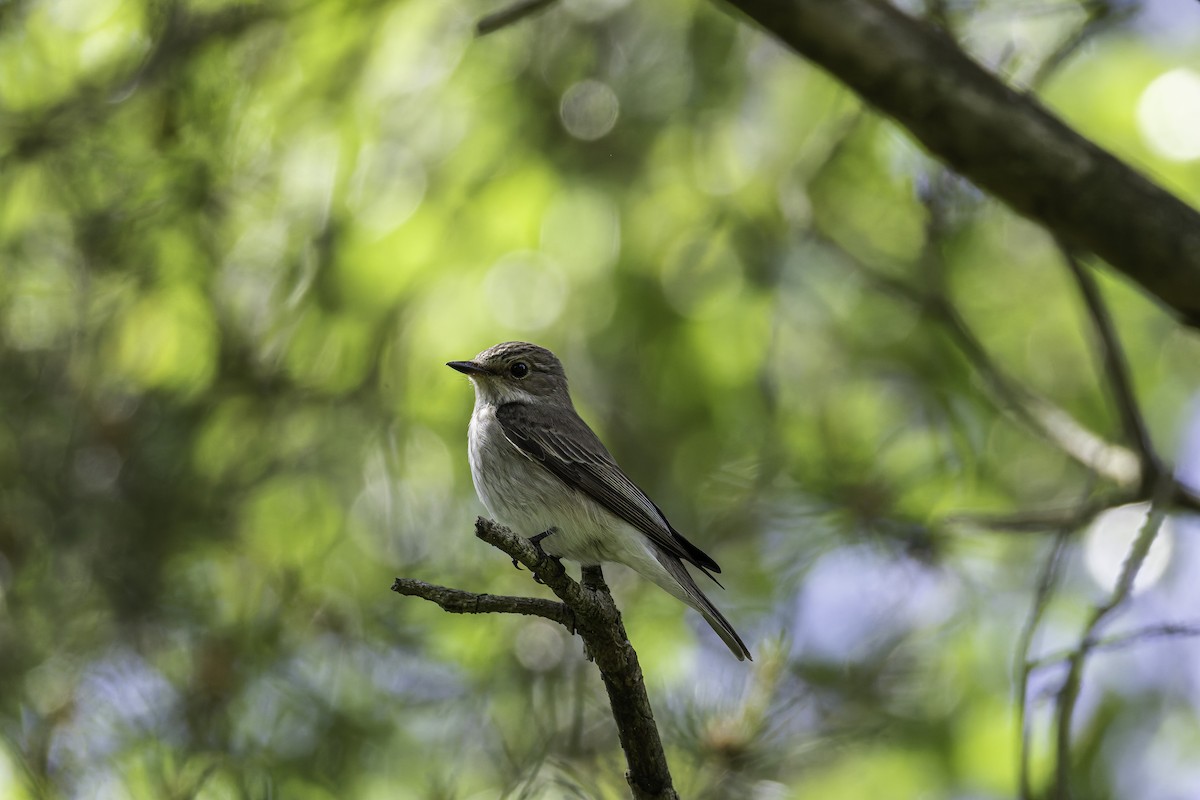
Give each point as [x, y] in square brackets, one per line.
[239, 240]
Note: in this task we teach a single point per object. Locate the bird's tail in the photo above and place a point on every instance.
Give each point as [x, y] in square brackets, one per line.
[681, 584]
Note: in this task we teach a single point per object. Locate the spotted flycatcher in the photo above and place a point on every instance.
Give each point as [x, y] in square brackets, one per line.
[539, 469]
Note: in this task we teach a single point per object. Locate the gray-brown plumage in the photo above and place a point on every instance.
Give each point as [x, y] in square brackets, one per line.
[537, 465]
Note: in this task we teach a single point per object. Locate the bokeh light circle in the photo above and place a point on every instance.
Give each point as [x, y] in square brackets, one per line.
[589, 110]
[1168, 115]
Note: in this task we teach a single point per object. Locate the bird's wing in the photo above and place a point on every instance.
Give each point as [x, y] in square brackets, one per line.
[574, 454]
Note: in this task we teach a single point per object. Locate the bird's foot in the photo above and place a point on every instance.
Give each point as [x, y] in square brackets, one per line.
[536, 541]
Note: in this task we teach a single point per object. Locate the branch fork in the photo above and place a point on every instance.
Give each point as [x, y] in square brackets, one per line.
[586, 609]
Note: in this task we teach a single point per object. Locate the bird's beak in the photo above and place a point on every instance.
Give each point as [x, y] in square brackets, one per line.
[468, 368]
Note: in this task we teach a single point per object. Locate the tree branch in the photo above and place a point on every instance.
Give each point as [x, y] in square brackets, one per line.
[1117, 370]
[1087, 448]
[588, 609]
[456, 601]
[1112, 461]
[1004, 141]
[1023, 666]
[1120, 641]
[1100, 14]
[510, 15]
[1040, 521]
[1068, 694]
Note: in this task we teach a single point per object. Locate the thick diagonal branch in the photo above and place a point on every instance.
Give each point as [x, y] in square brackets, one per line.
[1001, 139]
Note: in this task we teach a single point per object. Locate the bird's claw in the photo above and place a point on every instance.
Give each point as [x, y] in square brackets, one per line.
[536, 541]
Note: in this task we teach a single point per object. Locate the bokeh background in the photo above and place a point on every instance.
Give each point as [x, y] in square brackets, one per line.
[239, 240]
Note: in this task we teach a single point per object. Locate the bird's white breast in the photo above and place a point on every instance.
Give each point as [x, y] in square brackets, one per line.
[523, 495]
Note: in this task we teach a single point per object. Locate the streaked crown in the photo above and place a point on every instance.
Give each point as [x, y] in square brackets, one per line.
[520, 371]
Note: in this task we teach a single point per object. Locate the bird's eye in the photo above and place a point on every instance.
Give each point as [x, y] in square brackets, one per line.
[519, 370]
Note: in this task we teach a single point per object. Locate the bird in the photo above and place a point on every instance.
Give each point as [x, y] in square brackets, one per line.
[541, 471]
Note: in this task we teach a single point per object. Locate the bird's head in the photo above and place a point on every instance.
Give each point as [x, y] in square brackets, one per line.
[516, 372]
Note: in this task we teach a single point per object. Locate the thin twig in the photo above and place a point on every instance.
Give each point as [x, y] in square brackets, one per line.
[456, 601]
[1116, 368]
[1068, 694]
[1185, 497]
[510, 15]
[1047, 581]
[1121, 641]
[1112, 461]
[1100, 15]
[1041, 521]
